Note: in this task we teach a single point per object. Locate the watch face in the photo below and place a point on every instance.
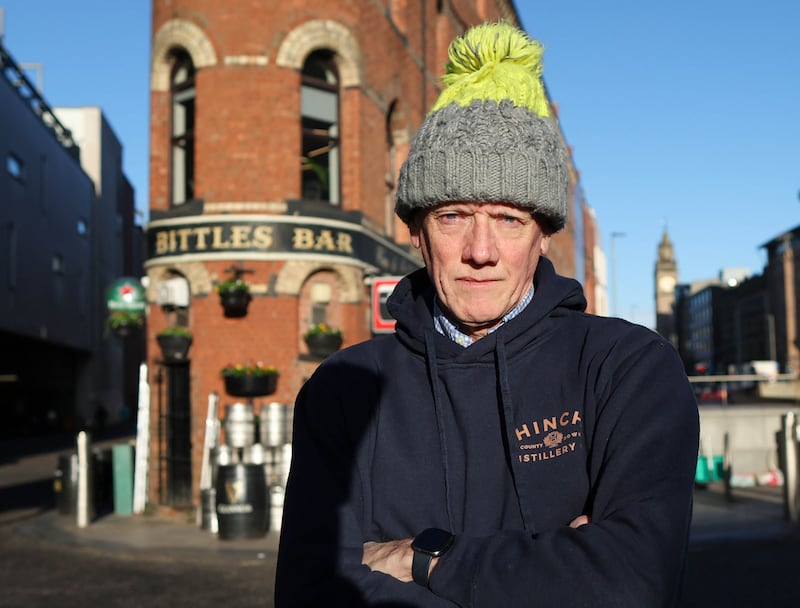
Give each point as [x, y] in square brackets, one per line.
[433, 541]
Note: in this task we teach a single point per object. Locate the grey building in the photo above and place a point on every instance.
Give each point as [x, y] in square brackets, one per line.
[783, 285]
[67, 228]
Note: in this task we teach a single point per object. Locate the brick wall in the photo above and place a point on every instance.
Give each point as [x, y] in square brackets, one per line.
[247, 150]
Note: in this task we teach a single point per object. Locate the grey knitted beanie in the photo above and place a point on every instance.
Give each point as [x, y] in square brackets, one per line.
[489, 137]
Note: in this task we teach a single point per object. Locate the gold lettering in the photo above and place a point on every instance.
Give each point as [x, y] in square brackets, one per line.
[240, 235]
[201, 233]
[173, 245]
[325, 241]
[536, 427]
[549, 424]
[380, 257]
[161, 243]
[218, 243]
[183, 234]
[344, 242]
[262, 237]
[576, 417]
[303, 238]
[522, 432]
[564, 420]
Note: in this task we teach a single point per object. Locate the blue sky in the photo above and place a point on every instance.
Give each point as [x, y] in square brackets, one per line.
[682, 113]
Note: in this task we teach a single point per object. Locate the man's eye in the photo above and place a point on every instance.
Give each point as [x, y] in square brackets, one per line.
[510, 219]
[450, 218]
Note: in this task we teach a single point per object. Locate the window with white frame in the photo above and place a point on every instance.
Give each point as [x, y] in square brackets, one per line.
[320, 128]
[182, 92]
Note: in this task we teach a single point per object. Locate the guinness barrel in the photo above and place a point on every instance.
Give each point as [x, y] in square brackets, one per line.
[242, 502]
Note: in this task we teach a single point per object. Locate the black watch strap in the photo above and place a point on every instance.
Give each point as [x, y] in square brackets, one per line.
[420, 565]
[430, 543]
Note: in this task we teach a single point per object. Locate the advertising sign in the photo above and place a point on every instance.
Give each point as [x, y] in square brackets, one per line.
[126, 294]
[382, 287]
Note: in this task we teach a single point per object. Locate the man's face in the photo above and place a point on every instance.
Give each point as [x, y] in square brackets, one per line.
[481, 258]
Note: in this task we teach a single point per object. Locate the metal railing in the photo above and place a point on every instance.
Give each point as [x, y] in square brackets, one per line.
[31, 96]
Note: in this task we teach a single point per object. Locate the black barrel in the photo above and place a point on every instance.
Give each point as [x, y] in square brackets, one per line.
[103, 479]
[65, 483]
[242, 502]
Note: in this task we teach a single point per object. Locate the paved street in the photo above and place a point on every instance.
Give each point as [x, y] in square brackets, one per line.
[41, 573]
[743, 553]
[153, 560]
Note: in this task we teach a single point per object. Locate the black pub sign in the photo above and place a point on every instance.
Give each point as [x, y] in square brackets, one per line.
[256, 237]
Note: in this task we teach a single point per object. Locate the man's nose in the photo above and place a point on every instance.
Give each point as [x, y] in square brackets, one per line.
[481, 245]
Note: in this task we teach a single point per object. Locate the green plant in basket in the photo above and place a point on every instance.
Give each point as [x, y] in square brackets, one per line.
[232, 286]
[176, 331]
[121, 319]
[322, 329]
[240, 370]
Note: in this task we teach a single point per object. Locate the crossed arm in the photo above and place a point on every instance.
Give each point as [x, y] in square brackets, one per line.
[394, 557]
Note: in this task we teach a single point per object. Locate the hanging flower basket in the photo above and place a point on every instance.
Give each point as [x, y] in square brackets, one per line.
[235, 303]
[234, 295]
[250, 380]
[322, 340]
[125, 322]
[174, 343]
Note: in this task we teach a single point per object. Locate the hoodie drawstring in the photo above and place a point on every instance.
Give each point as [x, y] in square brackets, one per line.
[433, 371]
[506, 407]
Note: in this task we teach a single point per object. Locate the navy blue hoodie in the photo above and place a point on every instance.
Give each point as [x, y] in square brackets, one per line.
[555, 414]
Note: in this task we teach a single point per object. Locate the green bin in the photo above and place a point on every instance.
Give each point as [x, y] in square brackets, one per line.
[702, 473]
[122, 462]
[718, 468]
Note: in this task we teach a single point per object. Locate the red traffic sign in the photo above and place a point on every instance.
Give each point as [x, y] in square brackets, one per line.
[382, 321]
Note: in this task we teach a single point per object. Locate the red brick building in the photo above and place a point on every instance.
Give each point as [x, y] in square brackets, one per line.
[277, 134]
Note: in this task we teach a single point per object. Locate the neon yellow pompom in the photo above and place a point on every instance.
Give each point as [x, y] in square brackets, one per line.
[495, 61]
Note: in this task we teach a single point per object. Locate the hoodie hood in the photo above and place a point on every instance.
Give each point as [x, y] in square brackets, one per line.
[411, 304]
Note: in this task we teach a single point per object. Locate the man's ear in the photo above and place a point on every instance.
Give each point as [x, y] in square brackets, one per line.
[414, 229]
[545, 245]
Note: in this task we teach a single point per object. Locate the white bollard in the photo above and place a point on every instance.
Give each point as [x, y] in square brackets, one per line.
[85, 506]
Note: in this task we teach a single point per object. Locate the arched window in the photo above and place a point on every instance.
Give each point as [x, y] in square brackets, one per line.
[182, 94]
[320, 112]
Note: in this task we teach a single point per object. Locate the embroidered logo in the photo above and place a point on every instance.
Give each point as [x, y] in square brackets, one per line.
[551, 440]
[551, 437]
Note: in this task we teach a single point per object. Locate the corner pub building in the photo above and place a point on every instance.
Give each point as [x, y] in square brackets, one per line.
[277, 133]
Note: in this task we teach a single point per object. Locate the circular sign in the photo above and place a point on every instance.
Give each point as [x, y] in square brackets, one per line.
[126, 294]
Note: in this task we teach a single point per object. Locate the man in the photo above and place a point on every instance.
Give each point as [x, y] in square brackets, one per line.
[503, 448]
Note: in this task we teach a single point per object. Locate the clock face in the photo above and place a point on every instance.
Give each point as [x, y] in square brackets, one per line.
[666, 283]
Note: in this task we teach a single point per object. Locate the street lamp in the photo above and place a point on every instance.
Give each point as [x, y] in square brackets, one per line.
[614, 237]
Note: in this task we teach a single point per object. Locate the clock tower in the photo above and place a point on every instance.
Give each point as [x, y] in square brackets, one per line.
[666, 278]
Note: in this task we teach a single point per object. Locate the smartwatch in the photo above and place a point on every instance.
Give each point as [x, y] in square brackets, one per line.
[428, 544]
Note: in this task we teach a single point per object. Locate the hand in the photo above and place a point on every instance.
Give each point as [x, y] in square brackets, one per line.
[579, 521]
[393, 557]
